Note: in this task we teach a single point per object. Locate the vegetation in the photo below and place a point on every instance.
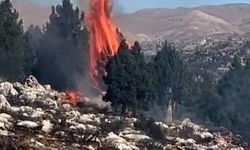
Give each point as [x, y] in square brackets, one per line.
[57, 54]
[233, 88]
[63, 42]
[152, 129]
[128, 80]
[136, 84]
[12, 50]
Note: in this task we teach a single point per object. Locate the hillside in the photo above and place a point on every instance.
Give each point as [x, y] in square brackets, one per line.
[172, 24]
[186, 23]
[33, 116]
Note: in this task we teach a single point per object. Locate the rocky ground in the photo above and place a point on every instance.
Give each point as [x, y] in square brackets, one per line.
[33, 116]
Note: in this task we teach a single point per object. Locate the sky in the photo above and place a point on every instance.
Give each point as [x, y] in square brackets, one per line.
[133, 5]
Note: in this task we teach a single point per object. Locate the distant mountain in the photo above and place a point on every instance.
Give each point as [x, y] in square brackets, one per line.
[172, 24]
[186, 23]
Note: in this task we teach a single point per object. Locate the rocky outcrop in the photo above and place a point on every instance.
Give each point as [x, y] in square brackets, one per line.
[33, 116]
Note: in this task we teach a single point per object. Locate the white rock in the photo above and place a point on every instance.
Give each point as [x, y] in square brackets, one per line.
[91, 147]
[238, 148]
[38, 113]
[206, 135]
[180, 141]
[2, 126]
[66, 107]
[129, 131]
[15, 109]
[28, 124]
[191, 141]
[18, 86]
[47, 87]
[73, 115]
[51, 103]
[198, 147]
[39, 144]
[6, 121]
[53, 94]
[89, 118]
[27, 109]
[13, 92]
[25, 115]
[88, 128]
[4, 103]
[214, 147]
[6, 116]
[4, 133]
[32, 82]
[136, 137]
[162, 125]
[126, 147]
[47, 126]
[29, 96]
[118, 142]
[7, 89]
[186, 123]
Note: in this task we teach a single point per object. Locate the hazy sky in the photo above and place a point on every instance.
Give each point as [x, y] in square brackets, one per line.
[133, 5]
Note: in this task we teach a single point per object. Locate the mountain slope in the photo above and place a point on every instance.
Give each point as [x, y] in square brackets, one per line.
[187, 22]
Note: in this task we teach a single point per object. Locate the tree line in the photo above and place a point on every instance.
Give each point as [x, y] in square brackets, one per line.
[55, 54]
[58, 53]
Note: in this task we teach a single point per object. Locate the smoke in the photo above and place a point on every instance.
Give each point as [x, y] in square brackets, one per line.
[83, 4]
[60, 64]
[115, 5]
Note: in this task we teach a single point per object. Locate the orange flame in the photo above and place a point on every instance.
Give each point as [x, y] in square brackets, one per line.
[104, 37]
[72, 96]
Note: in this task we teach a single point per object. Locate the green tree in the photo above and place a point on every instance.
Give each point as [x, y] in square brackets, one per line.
[63, 49]
[11, 42]
[234, 89]
[206, 100]
[120, 79]
[128, 80]
[145, 82]
[172, 76]
[32, 38]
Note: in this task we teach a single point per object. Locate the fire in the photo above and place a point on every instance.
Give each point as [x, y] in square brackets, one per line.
[104, 38]
[72, 96]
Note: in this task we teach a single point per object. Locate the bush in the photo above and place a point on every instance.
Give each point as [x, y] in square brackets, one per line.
[153, 130]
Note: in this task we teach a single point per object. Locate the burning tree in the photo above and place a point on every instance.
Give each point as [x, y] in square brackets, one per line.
[104, 38]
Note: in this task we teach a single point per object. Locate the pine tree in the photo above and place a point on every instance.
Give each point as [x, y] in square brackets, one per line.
[63, 49]
[234, 90]
[172, 77]
[128, 81]
[121, 88]
[32, 39]
[206, 100]
[11, 42]
[145, 85]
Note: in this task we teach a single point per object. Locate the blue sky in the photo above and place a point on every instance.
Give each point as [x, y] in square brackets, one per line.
[133, 5]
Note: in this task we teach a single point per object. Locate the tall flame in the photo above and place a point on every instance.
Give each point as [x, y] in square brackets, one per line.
[104, 38]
